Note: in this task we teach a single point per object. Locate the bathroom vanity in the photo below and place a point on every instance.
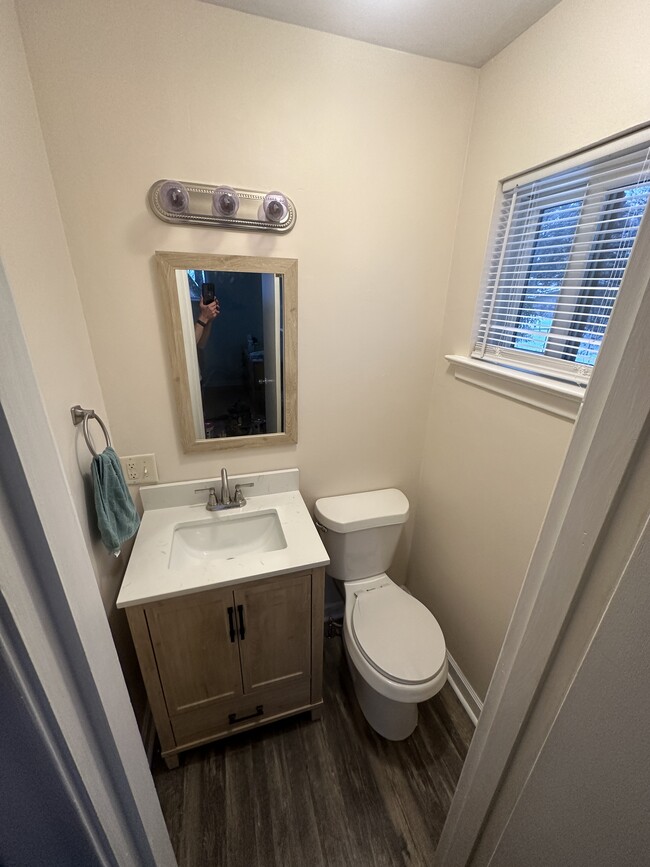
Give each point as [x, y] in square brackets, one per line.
[226, 610]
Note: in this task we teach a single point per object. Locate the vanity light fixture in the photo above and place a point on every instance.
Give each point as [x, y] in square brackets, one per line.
[221, 206]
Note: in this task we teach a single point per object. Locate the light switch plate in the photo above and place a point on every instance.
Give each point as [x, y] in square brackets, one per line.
[139, 469]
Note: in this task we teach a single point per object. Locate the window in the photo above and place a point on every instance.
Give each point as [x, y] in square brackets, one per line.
[562, 238]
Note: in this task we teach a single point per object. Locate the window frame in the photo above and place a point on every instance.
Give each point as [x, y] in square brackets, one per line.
[583, 256]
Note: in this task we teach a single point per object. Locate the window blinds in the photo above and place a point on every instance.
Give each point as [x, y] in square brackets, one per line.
[560, 246]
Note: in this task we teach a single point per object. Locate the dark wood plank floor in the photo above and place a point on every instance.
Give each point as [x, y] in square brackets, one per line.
[298, 793]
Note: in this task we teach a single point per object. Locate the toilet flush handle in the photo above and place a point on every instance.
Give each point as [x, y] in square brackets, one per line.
[320, 526]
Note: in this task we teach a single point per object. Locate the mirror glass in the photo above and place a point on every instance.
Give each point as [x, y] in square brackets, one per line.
[232, 338]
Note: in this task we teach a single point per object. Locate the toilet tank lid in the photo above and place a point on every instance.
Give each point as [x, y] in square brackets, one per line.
[350, 512]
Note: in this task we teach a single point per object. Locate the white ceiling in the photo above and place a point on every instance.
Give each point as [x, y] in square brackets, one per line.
[461, 31]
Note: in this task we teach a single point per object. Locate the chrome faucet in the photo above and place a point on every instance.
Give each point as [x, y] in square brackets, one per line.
[227, 502]
[225, 488]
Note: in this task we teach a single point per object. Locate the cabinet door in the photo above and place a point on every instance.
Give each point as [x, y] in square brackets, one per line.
[275, 645]
[196, 655]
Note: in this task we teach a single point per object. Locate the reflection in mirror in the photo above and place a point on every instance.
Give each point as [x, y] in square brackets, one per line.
[232, 339]
[236, 321]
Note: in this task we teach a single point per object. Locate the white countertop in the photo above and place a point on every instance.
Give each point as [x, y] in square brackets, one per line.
[148, 577]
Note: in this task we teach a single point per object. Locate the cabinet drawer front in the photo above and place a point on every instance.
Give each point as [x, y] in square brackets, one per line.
[207, 723]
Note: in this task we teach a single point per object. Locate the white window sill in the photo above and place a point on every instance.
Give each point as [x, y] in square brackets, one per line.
[549, 395]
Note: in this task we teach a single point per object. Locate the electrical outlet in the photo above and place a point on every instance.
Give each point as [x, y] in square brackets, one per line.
[139, 469]
[131, 469]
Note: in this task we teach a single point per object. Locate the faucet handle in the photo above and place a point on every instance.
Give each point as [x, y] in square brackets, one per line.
[239, 497]
[211, 505]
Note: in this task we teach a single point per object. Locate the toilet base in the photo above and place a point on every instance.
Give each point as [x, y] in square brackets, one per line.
[393, 720]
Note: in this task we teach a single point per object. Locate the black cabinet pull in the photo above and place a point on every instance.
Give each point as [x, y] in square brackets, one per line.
[231, 620]
[232, 717]
[242, 627]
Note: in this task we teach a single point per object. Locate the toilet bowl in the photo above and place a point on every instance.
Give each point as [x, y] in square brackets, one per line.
[393, 644]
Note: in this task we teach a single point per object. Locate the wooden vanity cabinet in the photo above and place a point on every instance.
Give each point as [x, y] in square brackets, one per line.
[228, 659]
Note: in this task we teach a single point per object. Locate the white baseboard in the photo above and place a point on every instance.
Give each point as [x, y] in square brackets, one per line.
[463, 689]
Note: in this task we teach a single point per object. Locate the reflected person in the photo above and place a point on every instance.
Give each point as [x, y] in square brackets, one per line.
[203, 325]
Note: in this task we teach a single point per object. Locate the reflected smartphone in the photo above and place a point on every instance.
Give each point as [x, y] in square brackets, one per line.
[207, 293]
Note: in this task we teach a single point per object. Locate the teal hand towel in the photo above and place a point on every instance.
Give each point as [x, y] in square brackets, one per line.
[117, 518]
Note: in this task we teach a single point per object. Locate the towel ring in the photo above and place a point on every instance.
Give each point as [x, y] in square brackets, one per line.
[82, 416]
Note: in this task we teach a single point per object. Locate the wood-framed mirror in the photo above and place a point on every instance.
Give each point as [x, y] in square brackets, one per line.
[232, 335]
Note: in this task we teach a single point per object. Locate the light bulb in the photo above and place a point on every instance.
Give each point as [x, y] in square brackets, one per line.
[174, 197]
[225, 202]
[274, 208]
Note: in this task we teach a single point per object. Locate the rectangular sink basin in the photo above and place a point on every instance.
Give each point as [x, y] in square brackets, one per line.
[225, 536]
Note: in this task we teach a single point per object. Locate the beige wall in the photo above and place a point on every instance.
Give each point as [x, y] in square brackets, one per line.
[171, 88]
[577, 76]
[35, 257]
[136, 92]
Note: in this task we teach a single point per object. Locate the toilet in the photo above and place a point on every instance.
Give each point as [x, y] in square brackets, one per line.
[394, 646]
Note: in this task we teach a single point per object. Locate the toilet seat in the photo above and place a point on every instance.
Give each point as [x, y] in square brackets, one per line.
[397, 635]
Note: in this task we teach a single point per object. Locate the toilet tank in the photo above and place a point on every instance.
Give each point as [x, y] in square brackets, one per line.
[361, 531]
